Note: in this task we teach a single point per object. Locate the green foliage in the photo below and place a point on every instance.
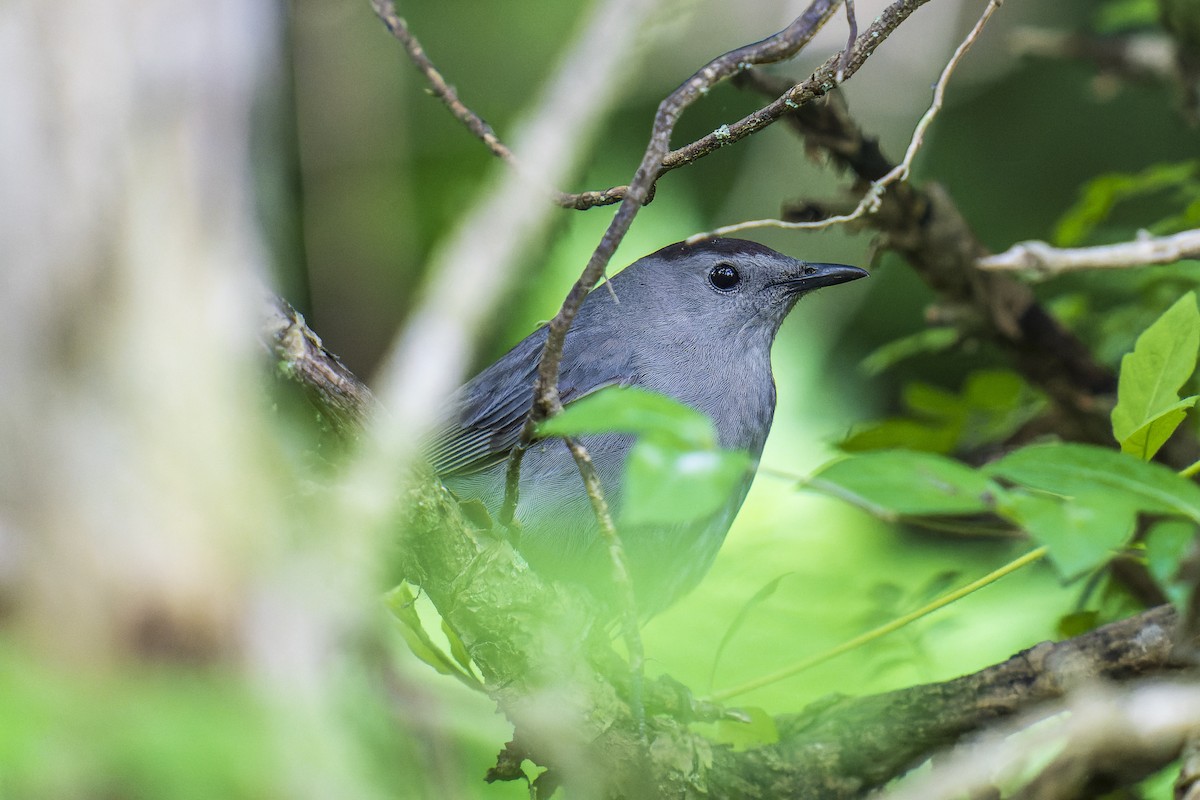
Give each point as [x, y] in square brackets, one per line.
[630, 409]
[1167, 543]
[403, 604]
[1080, 501]
[1176, 183]
[991, 406]
[1122, 15]
[1149, 408]
[892, 484]
[675, 472]
[924, 341]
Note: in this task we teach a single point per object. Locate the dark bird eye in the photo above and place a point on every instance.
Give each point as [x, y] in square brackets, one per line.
[724, 277]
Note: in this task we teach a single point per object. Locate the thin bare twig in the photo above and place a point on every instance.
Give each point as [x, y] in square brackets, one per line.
[869, 203]
[1143, 251]
[480, 129]
[386, 11]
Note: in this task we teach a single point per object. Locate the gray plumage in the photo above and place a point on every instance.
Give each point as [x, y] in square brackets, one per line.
[694, 322]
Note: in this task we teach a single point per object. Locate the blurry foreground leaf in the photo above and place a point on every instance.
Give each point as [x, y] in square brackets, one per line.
[629, 409]
[666, 483]
[1148, 405]
[675, 472]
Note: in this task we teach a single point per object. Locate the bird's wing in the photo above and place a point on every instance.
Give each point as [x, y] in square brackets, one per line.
[486, 415]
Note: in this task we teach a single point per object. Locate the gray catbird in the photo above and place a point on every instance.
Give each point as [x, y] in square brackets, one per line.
[694, 322]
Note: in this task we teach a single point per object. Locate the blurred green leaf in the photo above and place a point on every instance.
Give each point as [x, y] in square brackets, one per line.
[1123, 15]
[895, 483]
[1082, 532]
[1102, 194]
[457, 649]
[1168, 543]
[1148, 405]
[1077, 623]
[903, 434]
[1082, 471]
[666, 483]
[990, 407]
[629, 409]
[926, 340]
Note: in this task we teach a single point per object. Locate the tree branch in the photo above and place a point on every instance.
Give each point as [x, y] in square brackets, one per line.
[1144, 251]
[301, 356]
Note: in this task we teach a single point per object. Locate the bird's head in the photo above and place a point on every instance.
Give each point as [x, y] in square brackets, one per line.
[731, 286]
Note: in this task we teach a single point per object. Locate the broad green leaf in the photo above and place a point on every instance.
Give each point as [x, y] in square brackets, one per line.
[896, 483]
[1082, 532]
[665, 483]
[629, 409]
[1146, 440]
[1080, 471]
[1148, 406]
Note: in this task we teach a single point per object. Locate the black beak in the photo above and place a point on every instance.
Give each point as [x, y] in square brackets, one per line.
[814, 276]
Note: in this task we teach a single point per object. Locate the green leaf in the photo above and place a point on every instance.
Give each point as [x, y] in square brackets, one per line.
[1148, 406]
[402, 603]
[1146, 440]
[1168, 543]
[906, 434]
[629, 409]
[457, 648]
[741, 735]
[896, 483]
[666, 483]
[1083, 471]
[927, 340]
[1082, 532]
[1100, 196]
